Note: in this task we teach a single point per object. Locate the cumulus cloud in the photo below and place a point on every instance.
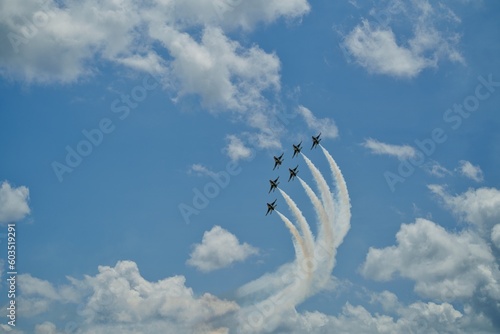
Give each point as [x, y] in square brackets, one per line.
[376, 47]
[467, 169]
[119, 300]
[399, 151]
[39, 295]
[326, 126]
[443, 265]
[79, 33]
[219, 249]
[449, 266]
[495, 235]
[236, 149]
[480, 207]
[13, 203]
[184, 44]
[418, 317]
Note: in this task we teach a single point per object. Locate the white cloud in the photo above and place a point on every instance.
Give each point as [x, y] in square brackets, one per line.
[200, 170]
[38, 295]
[376, 50]
[467, 169]
[13, 203]
[236, 149]
[182, 43]
[399, 151]
[434, 168]
[480, 207]
[326, 126]
[495, 235]
[443, 265]
[219, 249]
[376, 47]
[46, 327]
[418, 317]
[63, 43]
[119, 300]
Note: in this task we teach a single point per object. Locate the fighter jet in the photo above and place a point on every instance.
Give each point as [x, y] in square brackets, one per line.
[293, 173]
[274, 184]
[296, 149]
[278, 161]
[271, 207]
[316, 141]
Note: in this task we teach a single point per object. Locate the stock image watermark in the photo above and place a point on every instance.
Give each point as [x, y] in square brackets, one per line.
[93, 138]
[453, 117]
[256, 319]
[220, 180]
[29, 26]
[11, 274]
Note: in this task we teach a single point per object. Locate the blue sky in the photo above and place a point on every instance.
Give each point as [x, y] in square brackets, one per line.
[162, 99]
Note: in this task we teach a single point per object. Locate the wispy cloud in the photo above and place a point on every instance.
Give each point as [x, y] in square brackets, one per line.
[470, 171]
[375, 46]
[399, 151]
[326, 126]
[219, 249]
[200, 170]
[436, 169]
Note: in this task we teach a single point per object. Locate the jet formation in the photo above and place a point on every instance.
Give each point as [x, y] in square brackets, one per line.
[278, 160]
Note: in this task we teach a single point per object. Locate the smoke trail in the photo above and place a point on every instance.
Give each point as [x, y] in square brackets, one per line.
[326, 195]
[304, 226]
[319, 208]
[325, 249]
[298, 242]
[266, 313]
[267, 285]
[345, 202]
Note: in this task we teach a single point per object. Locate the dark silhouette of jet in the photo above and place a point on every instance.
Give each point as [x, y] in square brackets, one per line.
[274, 184]
[296, 149]
[293, 173]
[316, 141]
[278, 161]
[271, 207]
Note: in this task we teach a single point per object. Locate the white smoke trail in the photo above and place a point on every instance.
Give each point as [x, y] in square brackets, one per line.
[325, 193]
[298, 242]
[265, 314]
[319, 208]
[304, 226]
[267, 285]
[325, 249]
[343, 224]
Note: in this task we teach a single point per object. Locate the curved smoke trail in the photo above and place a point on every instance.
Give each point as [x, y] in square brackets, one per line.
[318, 207]
[303, 225]
[287, 287]
[323, 248]
[298, 242]
[343, 225]
[325, 193]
